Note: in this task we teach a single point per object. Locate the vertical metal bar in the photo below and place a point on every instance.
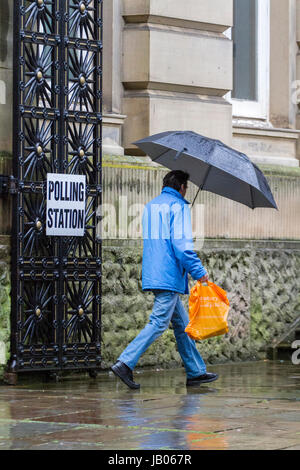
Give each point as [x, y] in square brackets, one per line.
[101, 175]
[60, 157]
[97, 153]
[15, 279]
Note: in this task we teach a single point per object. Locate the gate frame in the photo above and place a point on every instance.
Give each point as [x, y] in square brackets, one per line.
[12, 185]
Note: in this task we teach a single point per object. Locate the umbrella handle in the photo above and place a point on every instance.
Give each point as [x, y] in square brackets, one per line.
[202, 186]
[196, 197]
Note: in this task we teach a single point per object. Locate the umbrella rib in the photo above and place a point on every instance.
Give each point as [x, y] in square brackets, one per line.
[205, 177]
[154, 159]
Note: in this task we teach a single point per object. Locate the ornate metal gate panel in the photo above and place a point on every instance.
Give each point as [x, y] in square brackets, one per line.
[56, 281]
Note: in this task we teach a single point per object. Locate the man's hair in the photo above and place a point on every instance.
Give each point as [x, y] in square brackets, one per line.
[175, 179]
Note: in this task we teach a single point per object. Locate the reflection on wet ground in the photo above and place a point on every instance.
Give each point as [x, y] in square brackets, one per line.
[252, 406]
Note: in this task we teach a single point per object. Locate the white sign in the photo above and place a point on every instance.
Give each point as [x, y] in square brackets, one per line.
[65, 205]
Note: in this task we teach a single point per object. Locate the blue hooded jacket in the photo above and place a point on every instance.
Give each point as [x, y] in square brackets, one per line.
[168, 253]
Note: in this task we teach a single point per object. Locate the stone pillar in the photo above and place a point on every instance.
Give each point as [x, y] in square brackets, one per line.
[177, 68]
[6, 74]
[6, 113]
[6, 104]
[113, 119]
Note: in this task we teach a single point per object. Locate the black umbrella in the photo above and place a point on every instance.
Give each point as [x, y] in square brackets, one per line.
[211, 165]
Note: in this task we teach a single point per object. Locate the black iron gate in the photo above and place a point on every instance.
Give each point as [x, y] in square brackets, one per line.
[56, 281]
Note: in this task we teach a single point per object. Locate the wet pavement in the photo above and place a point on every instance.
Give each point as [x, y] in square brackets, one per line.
[251, 406]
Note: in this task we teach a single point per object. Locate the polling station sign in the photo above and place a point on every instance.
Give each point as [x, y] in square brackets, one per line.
[65, 205]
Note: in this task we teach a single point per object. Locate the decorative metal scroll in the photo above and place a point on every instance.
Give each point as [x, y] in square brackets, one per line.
[56, 281]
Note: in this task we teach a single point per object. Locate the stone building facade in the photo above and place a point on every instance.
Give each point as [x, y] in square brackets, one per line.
[225, 69]
[177, 65]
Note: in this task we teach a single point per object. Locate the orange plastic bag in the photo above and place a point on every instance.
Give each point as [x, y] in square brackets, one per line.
[208, 311]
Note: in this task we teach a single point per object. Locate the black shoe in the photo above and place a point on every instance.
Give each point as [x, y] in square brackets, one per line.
[122, 371]
[202, 379]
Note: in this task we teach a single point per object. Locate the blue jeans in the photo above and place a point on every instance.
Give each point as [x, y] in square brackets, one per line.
[167, 308]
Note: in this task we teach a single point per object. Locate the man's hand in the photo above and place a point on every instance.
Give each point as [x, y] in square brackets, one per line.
[203, 279]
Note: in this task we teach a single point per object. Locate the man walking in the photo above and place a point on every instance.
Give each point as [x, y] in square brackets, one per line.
[168, 257]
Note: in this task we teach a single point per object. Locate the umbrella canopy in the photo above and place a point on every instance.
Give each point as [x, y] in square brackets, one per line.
[211, 165]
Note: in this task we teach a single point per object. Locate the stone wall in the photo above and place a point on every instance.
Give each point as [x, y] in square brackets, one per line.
[262, 282]
[260, 277]
[169, 64]
[4, 303]
[177, 68]
[130, 182]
